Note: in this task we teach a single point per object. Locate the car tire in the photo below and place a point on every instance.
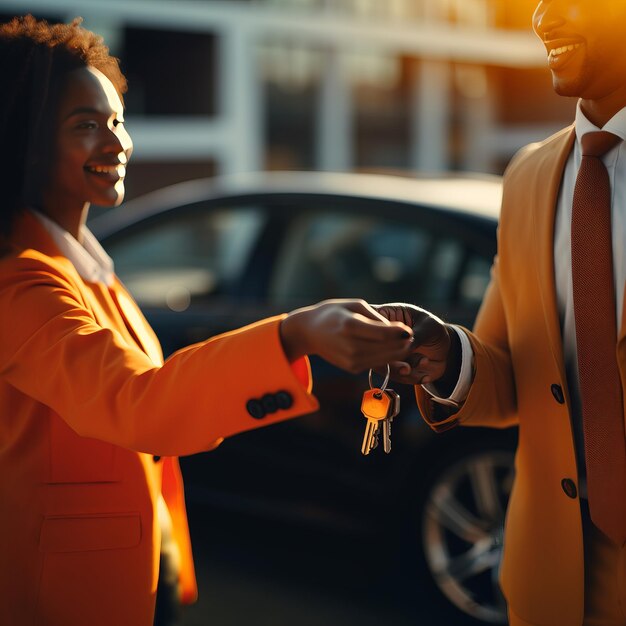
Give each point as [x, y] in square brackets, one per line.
[456, 525]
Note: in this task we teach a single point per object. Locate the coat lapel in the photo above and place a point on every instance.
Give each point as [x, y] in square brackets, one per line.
[545, 191]
[112, 307]
[136, 323]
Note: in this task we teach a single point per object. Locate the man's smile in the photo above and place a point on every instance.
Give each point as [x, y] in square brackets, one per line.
[560, 53]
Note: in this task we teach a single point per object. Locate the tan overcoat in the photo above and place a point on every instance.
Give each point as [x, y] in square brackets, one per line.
[519, 372]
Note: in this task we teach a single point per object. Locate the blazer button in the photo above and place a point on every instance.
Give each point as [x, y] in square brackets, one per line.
[557, 392]
[269, 403]
[284, 400]
[569, 487]
[255, 409]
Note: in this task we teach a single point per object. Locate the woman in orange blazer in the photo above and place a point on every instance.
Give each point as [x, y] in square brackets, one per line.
[92, 419]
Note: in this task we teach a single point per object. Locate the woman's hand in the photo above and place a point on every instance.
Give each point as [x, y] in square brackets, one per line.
[347, 333]
[435, 352]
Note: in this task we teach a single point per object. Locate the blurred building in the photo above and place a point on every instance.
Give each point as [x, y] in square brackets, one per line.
[402, 85]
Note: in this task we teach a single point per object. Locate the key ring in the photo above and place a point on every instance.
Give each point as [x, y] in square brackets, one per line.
[385, 382]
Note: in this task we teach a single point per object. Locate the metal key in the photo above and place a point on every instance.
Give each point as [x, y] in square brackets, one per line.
[376, 407]
[394, 396]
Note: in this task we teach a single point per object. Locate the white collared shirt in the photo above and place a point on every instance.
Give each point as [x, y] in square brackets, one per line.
[92, 263]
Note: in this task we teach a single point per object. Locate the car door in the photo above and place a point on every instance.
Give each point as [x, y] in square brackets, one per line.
[206, 268]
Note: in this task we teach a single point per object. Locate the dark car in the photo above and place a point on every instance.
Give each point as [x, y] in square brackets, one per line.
[207, 256]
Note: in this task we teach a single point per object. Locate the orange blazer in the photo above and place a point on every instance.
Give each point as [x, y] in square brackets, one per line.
[85, 403]
[519, 369]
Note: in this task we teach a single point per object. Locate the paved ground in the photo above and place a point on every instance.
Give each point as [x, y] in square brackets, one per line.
[251, 573]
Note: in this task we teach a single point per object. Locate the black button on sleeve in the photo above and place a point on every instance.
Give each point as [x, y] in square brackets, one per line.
[255, 409]
[284, 400]
[557, 392]
[269, 403]
[568, 486]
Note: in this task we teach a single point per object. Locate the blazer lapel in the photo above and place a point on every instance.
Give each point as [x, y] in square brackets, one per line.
[544, 195]
[136, 323]
[28, 232]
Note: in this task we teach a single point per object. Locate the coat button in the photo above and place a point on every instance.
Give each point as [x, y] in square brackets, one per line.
[557, 392]
[255, 409]
[269, 403]
[284, 400]
[156, 458]
[569, 487]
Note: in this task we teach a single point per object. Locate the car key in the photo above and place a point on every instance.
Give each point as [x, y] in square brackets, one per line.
[376, 407]
[394, 396]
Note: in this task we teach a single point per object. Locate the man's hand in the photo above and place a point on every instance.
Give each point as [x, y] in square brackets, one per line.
[436, 353]
[347, 333]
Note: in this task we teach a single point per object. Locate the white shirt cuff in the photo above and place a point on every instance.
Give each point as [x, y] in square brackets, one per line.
[461, 390]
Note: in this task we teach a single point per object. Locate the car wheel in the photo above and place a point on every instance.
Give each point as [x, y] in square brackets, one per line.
[458, 528]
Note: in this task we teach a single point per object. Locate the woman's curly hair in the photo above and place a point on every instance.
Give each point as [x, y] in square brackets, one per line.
[35, 57]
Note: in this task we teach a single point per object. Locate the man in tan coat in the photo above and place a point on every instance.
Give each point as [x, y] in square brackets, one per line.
[520, 363]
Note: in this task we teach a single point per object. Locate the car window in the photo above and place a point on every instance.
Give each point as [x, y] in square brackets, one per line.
[348, 255]
[331, 254]
[198, 255]
[444, 266]
[475, 279]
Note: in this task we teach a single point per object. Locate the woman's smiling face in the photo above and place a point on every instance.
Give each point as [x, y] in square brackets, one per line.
[90, 145]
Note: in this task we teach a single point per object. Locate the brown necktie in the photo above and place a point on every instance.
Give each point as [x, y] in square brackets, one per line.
[596, 339]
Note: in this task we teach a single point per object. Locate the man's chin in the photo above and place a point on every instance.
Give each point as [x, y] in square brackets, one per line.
[567, 89]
